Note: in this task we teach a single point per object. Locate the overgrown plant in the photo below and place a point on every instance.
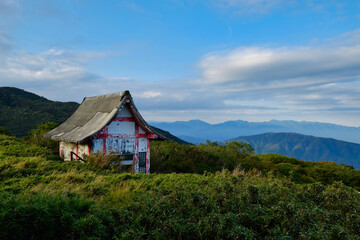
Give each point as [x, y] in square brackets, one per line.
[46, 199]
[36, 136]
[106, 161]
[167, 157]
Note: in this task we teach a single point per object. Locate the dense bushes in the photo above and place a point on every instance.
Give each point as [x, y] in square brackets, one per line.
[306, 171]
[42, 216]
[36, 136]
[172, 157]
[182, 206]
[167, 157]
[49, 199]
[11, 146]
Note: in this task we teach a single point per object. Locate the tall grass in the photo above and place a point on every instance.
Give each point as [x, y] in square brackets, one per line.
[42, 198]
[226, 205]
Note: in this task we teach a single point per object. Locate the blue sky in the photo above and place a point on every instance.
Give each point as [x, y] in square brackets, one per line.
[213, 60]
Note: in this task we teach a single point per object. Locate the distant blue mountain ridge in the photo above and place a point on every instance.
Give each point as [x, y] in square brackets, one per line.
[197, 131]
[335, 143]
[305, 147]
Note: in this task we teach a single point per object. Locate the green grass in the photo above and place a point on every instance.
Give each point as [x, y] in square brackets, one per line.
[42, 198]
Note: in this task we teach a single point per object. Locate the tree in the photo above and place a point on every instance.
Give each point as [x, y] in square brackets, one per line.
[37, 136]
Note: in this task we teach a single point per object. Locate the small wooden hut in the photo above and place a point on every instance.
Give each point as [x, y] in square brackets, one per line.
[110, 124]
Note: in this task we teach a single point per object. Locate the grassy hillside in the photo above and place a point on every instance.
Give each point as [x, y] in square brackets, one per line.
[21, 111]
[42, 197]
[306, 147]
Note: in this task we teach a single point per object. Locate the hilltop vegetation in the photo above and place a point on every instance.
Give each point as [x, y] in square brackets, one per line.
[42, 197]
[21, 111]
[167, 157]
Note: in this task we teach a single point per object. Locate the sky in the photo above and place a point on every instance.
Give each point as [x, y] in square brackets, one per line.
[213, 60]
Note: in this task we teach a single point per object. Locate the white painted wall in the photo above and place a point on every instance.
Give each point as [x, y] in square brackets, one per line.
[121, 128]
[125, 112]
[120, 145]
[97, 145]
[142, 144]
[141, 131]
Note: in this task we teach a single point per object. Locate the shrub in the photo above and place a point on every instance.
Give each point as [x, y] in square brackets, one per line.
[5, 131]
[45, 199]
[36, 136]
[184, 206]
[169, 156]
[106, 161]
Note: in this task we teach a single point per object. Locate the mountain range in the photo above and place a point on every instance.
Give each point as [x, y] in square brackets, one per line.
[21, 111]
[305, 147]
[197, 131]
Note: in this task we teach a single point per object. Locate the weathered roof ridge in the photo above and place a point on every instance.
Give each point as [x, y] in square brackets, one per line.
[118, 94]
[93, 114]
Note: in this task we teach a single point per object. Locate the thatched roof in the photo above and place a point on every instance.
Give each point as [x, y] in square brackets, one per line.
[93, 114]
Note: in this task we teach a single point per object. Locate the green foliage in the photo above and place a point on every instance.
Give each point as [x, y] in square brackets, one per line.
[4, 131]
[306, 171]
[41, 216]
[42, 198]
[21, 111]
[169, 156]
[36, 137]
[11, 146]
[77, 202]
[106, 161]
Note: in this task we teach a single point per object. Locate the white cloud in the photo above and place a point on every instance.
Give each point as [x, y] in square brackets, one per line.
[250, 83]
[269, 68]
[50, 65]
[149, 94]
[119, 79]
[351, 38]
[312, 82]
[244, 83]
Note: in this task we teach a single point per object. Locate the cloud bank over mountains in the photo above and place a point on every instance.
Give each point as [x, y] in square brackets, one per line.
[310, 78]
